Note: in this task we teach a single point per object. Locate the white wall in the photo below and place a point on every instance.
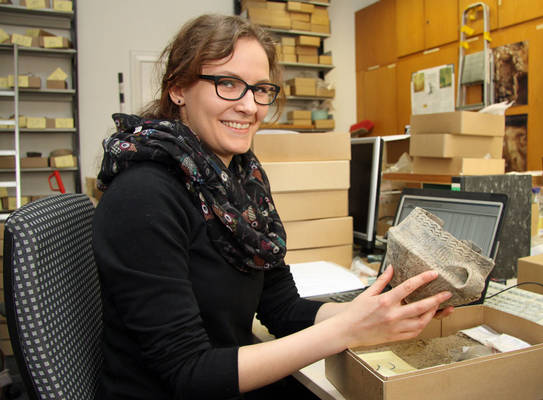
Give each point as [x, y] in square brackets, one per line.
[108, 30]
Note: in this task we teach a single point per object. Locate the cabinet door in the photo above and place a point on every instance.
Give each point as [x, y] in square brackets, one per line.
[377, 94]
[512, 12]
[375, 30]
[441, 22]
[409, 26]
[444, 55]
[477, 23]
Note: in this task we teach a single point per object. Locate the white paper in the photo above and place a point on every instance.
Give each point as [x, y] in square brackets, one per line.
[501, 342]
[323, 277]
[432, 90]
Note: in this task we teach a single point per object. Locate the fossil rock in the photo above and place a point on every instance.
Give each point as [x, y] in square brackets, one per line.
[419, 243]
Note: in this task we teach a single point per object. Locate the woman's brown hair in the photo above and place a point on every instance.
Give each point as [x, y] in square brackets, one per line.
[200, 41]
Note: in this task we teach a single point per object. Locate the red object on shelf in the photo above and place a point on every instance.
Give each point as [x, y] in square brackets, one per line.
[60, 186]
[361, 128]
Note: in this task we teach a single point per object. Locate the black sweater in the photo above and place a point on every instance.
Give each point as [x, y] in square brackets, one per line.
[175, 312]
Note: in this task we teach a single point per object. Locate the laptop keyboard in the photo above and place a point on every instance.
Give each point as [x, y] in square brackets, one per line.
[523, 303]
[340, 297]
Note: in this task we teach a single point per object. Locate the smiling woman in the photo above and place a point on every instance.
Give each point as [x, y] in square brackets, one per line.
[190, 247]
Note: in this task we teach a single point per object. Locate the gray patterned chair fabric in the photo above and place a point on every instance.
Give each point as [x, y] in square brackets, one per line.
[52, 297]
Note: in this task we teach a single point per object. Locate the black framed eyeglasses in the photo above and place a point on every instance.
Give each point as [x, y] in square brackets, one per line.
[232, 88]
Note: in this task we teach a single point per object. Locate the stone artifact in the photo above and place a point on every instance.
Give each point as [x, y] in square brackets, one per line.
[419, 243]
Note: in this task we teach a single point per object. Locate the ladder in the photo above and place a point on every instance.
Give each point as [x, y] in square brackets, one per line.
[15, 152]
[475, 68]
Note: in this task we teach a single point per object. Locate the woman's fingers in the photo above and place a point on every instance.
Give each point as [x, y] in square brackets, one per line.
[381, 282]
[403, 290]
[420, 307]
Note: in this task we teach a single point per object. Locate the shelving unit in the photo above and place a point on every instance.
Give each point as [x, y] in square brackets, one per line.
[295, 69]
[43, 102]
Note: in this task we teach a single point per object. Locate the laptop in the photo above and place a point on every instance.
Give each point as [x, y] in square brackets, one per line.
[473, 216]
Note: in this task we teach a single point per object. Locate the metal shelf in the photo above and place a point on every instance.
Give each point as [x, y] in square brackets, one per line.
[323, 67]
[49, 169]
[46, 130]
[307, 98]
[293, 32]
[40, 50]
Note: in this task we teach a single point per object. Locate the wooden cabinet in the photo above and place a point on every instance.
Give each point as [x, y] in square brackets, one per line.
[512, 12]
[409, 26]
[405, 67]
[377, 99]
[441, 22]
[375, 30]
[424, 24]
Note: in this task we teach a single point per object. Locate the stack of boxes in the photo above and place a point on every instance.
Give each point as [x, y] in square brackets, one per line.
[457, 143]
[309, 178]
[293, 15]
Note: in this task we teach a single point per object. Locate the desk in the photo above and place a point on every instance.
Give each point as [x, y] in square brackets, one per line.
[312, 376]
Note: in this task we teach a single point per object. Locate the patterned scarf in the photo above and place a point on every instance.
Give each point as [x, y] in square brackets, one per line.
[239, 196]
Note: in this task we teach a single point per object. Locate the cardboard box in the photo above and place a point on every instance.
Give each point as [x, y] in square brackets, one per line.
[24, 40]
[324, 124]
[291, 58]
[320, 19]
[56, 84]
[63, 5]
[64, 161]
[34, 162]
[319, 233]
[320, 28]
[458, 166]
[299, 206]
[54, 42]
[298, 114]
[341, 255]
[10, 203]
[511, 375]
[35, 4]
[300, 7]
[299, 16]
[7, 162]
[308, 59]
[448, 145]
[312, 41]
[303, 90]
[326, 60]
[276, 147]
[530, 269]
[269, 17]
[290, 50]
[307, 51]
[460, 122]
[25, 81]
[324, 92]
[40, 123]
[307, 175]
[5, 346]
[64, 123]
[300, 25]
[288, 41]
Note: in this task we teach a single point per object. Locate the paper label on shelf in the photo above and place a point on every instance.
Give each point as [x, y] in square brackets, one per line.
[35, 122]
[3, 35]
[21, 40]
[64, 123]
[53, 42]
[35, 4]
[62, 5]
[58, 74]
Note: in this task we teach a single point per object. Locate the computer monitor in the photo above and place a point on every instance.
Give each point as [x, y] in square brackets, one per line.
[365, 181]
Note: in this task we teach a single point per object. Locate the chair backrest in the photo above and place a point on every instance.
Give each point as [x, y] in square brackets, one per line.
[52, 297]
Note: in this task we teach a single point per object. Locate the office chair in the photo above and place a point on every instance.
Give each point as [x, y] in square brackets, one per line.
[52, 297]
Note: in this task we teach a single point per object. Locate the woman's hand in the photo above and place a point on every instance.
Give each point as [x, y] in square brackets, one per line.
[374, 317]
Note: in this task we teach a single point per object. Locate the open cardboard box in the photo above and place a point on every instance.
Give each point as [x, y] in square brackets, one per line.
[512, 375]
